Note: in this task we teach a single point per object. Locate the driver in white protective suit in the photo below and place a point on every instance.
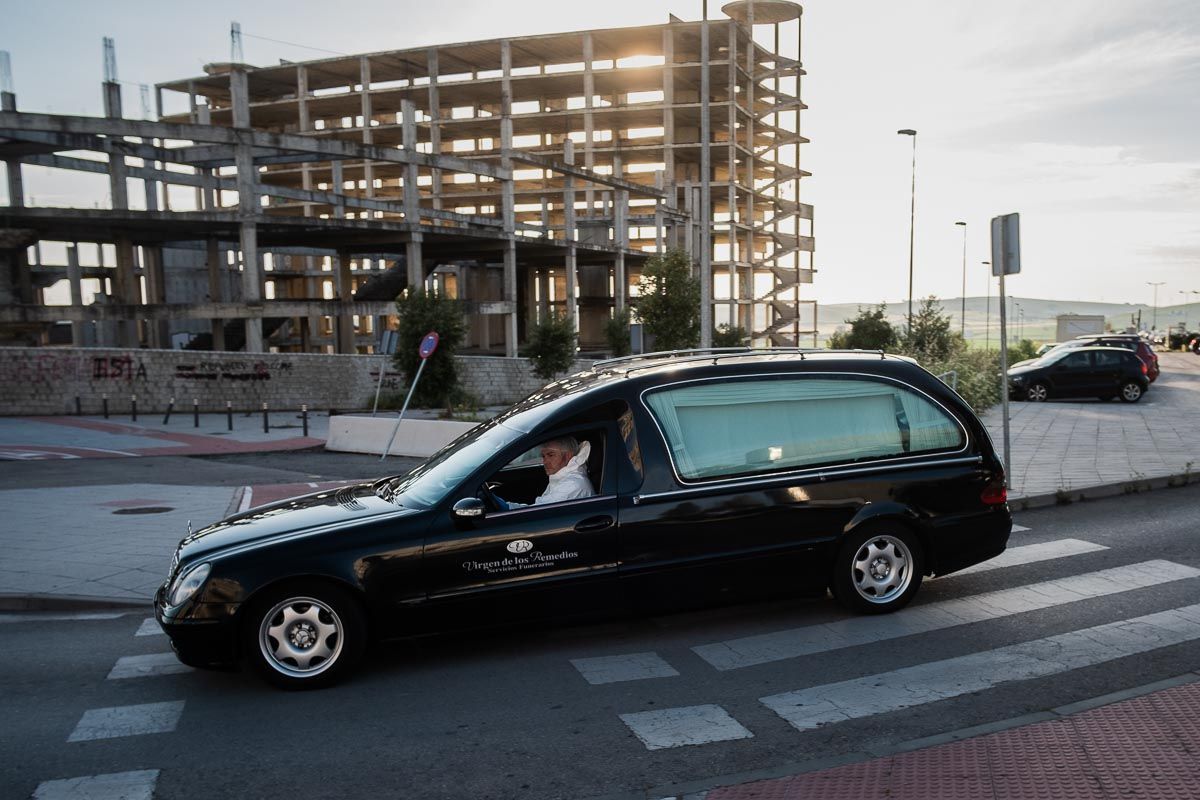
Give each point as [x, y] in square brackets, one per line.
[565, 461]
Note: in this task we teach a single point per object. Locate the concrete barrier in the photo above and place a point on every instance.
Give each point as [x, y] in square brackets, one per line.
[351, 433]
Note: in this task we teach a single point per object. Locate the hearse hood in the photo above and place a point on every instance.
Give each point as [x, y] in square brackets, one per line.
[347, 505]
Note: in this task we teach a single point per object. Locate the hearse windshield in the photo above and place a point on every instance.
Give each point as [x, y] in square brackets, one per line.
[429, 483]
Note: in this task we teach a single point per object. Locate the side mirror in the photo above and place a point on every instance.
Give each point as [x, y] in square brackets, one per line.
[469, 508]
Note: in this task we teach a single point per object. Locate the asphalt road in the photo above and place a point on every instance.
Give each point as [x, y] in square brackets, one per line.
[513, 713]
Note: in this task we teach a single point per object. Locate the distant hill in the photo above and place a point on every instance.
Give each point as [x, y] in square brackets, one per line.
[1037, 322]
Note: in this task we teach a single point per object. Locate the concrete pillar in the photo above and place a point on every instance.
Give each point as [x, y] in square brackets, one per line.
[435, 128]
[507, 202]
[731, 164]
[572, 266]
[345, 293]
[216, 290]
[75, 280]
[703, 209]
[412, 198]
[368, 137]
[248, 210]
[589, 92]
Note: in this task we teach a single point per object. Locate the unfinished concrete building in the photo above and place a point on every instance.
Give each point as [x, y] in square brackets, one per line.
[525, 176]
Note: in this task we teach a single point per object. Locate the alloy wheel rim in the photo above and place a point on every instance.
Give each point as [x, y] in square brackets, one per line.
[882, 569]
[300, 637]
[1132, 391]
[1037, 393]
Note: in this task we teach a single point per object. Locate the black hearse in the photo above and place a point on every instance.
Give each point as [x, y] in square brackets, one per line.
[712, 471]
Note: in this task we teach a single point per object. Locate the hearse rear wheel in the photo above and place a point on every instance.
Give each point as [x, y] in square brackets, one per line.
[878, 569]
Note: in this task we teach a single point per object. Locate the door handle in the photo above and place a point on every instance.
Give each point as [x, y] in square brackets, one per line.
[594, 524]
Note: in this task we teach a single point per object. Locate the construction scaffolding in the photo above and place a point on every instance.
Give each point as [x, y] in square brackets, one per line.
[525, 176]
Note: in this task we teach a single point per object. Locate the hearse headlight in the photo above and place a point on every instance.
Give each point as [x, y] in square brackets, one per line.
[187, 584]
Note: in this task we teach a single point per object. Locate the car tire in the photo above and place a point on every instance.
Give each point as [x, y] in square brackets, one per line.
[1131, 392]
[1037, 393]
[878, 568]
[305, 635]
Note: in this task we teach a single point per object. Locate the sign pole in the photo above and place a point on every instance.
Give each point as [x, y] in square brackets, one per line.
[425, 350]
[379, 386]
[1004, 384]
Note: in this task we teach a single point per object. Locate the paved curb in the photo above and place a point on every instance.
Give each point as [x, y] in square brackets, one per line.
[698, 790]
[1099, 491]
[54, 602]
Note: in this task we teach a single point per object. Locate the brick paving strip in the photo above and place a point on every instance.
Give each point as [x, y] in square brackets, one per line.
[1143, 747]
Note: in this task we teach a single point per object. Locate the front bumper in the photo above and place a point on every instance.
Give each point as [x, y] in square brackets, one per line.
[202, 634]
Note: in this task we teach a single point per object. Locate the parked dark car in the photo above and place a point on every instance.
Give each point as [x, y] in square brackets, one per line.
[1129, 341]
[1102, 372]
[715, 475]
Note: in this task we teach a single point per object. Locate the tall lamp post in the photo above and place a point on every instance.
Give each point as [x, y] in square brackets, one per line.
[962, 323]
[912, 218]
[1155, 284]
[987, 325]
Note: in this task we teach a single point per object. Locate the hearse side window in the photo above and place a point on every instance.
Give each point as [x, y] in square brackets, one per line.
[730, 428]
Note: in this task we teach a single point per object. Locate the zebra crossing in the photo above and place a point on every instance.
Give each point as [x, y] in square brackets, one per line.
[141, 719]
[810, 707]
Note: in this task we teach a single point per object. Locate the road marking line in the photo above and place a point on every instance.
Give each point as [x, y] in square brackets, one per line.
[150, 627]
[629, 667]
[247, 496]
[114, 786]
[780, 645]
[147, 666]
[1019, 528]
[679, 727]
[111, 723]
[1032, 553]
[806, 709]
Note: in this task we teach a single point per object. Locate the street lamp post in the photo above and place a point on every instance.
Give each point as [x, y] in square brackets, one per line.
[987, 324]
[962, 324]
[912, 218]
[1155, 284]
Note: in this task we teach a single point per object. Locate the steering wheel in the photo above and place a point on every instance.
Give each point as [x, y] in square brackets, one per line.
[487, 493]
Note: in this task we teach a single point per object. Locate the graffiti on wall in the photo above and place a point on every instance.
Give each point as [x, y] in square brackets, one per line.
[117, 368]
[43, 369]
[230, 370]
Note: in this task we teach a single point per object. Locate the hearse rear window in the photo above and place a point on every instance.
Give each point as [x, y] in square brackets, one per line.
[730, 428]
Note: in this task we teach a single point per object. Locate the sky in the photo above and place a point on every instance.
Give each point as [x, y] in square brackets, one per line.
[1083, 117]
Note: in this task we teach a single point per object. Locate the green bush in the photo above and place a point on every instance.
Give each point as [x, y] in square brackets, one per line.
[1021, 351]
[728, 336]
[669, 301]
[616, 333]
[420, 313]
[550, 345]
[870, 330]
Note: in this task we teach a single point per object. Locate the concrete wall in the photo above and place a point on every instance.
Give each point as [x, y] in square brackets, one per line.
[39, 380]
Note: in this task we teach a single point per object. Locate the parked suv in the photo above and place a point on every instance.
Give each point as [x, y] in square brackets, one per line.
[1129, 341]
[1103, 372]
[696, 477]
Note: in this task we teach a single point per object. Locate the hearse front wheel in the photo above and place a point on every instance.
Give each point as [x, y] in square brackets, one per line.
[878, 569]
[305, 636]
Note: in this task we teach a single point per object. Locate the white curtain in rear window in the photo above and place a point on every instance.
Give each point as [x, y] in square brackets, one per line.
[739, 427]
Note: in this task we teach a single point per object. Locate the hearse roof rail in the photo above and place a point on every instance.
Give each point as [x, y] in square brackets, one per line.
[660, 360]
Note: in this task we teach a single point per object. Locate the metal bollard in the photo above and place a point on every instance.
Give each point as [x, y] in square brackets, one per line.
[78, 406]
[304, 417]
[195, 413]
[229, 414]
[104, 401]
[266, 423]
[133, 407]
[170, 408]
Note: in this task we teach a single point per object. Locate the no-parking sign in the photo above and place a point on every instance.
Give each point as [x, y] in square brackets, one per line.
[428, 345]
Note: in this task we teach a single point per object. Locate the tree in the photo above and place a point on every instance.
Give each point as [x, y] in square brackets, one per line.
[551, 346]
[422, 312]
[929, 336]
[616, 333]
[669, 301]
[728, 336]
[870, 330]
